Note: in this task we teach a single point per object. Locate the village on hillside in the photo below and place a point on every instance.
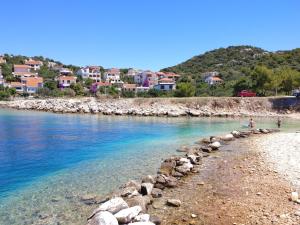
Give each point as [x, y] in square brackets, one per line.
[28, 82]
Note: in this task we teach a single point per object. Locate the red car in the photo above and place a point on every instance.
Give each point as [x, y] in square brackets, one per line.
[246, 93]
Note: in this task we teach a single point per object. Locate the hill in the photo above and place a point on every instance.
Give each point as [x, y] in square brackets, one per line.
[234, 61]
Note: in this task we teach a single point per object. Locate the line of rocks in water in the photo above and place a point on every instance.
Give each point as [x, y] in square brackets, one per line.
[141, 107]
[130, 203]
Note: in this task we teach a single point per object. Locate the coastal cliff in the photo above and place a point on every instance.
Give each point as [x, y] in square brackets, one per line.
[172, 107]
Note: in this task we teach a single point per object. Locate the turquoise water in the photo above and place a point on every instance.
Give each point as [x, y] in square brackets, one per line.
[47, 161]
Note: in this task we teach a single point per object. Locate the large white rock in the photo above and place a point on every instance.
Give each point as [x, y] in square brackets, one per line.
[215, 145]
[142, 218]
[227, 137]
[127, 215]
[103, 218]
[113, 206]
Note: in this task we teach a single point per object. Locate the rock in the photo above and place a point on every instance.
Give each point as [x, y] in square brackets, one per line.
[174, 202]
[206, 149]
[205, 141]
[113, 206]
[177, 174]
[294, 196]
[159, 186]
[133, 183]
[146, 188]
[185, 168]
[156, 193]
[129, 192]
[89, 199]
[167, 168]
[127, 215]
[142, 201]
[142, 218]
[156, 220]
[235, 133]
[193, 159]
[161, 179]
[103, 218]
[171, 182]
[227, 137]
[183, 149]
[148, 179]
[215, 145]
[193, 215]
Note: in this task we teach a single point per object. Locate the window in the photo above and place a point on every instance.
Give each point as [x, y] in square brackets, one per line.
[68, 81]
[162, 87]
[170, 86]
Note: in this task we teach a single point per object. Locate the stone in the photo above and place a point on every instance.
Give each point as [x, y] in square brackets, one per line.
[148, 179]
[140, 200]
[235, 133]
[103, 218]
[129, 192]
[159, 186]
[206, 149]
[177, 174]
[133, 183]
[227, 137]
[193, 159]
[142, 218]
[215, 145]
[294, 196]
[89, 199]
[156, 193]
[171, 182]
[174, 202]
[155, 219]
[146, 188]
[127, 215]
[185, 168]
[166, 168]
[113, 206]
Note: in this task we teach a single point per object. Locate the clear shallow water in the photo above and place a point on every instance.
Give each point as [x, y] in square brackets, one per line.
[47, 161]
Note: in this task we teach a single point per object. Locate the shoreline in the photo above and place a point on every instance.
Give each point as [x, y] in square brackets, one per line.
[160, 107]
[166, 197]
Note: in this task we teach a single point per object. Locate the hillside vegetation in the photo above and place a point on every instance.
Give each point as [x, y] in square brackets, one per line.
[243, 67]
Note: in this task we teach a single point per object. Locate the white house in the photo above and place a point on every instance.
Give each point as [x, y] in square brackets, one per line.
[66, 81]
[213, 80]
[1, 77]
[23, 71]
[146, 78]
[165, 84]
[92, 72]
[65, 72]
[112, 75]
[34, 64]
[133, 72]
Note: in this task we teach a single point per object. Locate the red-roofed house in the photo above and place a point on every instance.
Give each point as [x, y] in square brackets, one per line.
[66, 81]
[34, 64]
[129, 87]
[31, 84]
[23, 71]
[213, 80]
[112, 75]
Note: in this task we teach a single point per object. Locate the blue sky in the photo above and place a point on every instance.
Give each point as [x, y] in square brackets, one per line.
[144, 34]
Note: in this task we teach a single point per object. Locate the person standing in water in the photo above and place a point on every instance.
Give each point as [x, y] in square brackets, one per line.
[278, 122]
[251, 123]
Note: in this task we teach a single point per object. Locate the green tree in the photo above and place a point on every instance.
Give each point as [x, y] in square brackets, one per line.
[185, 90]
[50, 84]
[78, 88]
[261, 76]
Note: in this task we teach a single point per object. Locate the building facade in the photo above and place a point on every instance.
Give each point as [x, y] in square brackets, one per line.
[91, 72]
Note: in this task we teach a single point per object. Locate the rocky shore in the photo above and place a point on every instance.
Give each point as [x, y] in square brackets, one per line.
[171, 107]
[144, 202]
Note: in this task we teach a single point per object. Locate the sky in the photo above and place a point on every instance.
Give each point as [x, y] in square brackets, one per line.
[143, 34]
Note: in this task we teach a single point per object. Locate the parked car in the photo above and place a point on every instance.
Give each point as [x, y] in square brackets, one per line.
[246, 93]
[296, 93]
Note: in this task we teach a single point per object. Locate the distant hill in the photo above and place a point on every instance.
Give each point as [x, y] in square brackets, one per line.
[233, 61]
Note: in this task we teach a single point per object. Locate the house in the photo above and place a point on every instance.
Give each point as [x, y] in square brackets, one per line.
[23, 71]
[112, 75]
[31, 84]
[165, 84]
[1, 77]
[213, 80]
[146, 78]
[17, 85]
[142, 89]
[65, 72]
[168, 75]
[92, 72]
[129, 87]
[133, 72]
[2, 59]
[34, 64]
[66, 81]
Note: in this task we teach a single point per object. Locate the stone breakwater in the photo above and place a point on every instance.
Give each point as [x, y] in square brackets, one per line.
[171, 107]
[129, 204]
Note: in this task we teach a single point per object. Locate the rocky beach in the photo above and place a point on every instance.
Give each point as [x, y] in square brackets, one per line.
[171, 107]
[219, 180]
